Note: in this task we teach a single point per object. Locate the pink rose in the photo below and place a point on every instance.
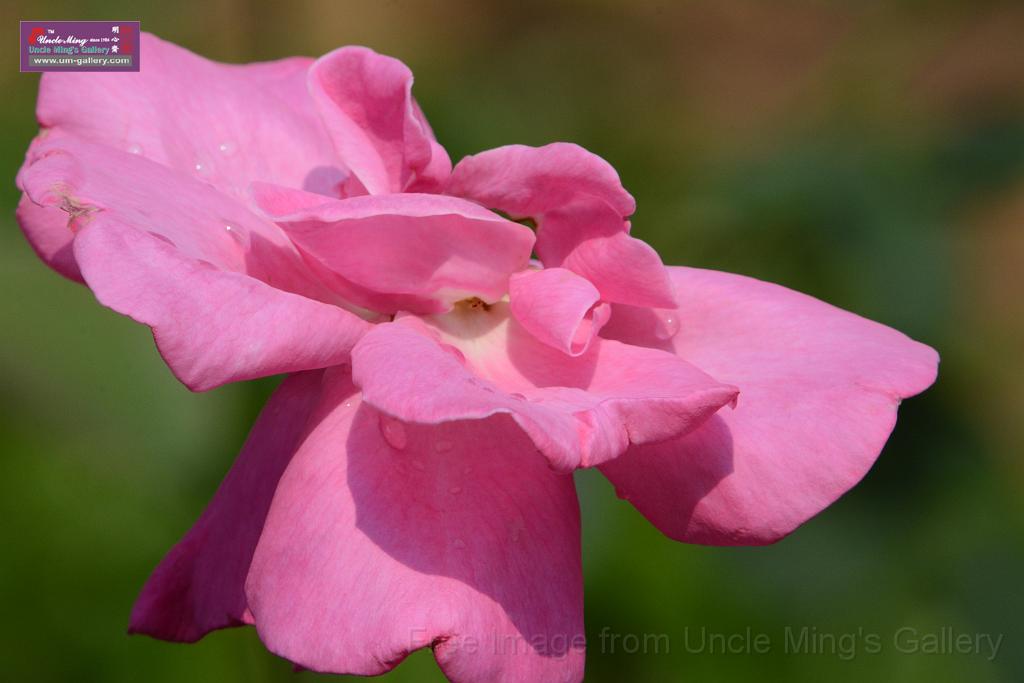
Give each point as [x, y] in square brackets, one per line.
[408, 485]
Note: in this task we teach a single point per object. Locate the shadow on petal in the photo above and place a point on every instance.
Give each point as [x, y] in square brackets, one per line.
[474, 501]
[674, 474]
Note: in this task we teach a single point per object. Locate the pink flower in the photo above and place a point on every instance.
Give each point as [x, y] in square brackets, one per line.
[406, 486]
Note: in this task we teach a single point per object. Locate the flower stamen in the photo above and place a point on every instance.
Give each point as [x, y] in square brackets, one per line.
[474, 303]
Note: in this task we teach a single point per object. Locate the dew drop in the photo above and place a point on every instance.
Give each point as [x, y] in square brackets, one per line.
[227, 148]
[393, 432]
[201, 168]
[442, 445]
[459, 543]
[668, 325]
[135, 149]
[455, 490]
[348, 404]
[234, 232]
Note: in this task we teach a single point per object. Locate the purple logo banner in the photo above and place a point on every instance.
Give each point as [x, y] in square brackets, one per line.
[79, 46]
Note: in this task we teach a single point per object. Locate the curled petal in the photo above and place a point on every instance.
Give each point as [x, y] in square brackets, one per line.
[365, 101]
[820, 388]
[385, 538]
[558, 307]
[578, 411]
[414, 252]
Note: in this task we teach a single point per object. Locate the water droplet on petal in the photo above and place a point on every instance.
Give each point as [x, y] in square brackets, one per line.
[459, 543]
[668, 325]
[226, 148]
[348, 404]
[455, 490]
[235, 233]
[135, 149]
[201, 168]
[393, 432]
[442, 445]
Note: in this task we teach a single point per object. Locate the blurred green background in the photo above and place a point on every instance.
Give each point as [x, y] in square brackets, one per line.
[869, 153]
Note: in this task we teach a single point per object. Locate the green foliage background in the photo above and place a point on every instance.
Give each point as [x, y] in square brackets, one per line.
[869, 153]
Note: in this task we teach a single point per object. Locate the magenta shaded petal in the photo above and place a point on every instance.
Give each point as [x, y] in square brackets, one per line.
[819, 391]
[226, 293]
[200, 585]
[414, 252]
[384, 538]
[578, 411]
[558, 307]
[365, 100]
[46, 228]
[225, 124]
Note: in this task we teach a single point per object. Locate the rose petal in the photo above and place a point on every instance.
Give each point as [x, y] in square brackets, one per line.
[579, 205]
[365, 101]
[200, 585]
[211, 326]
[530, 181]
[414, 252]
[558, 307]
[587, 238]
[384, 538]
[579, 411]
[226, 293]
[46, 228]
[820, 387]
[226, 124]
